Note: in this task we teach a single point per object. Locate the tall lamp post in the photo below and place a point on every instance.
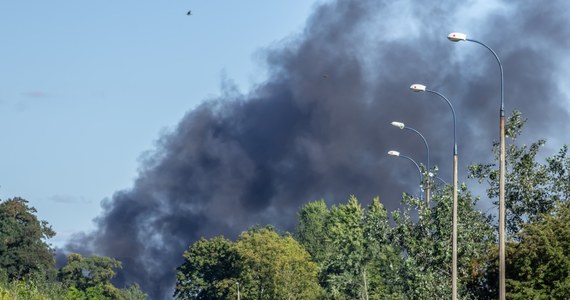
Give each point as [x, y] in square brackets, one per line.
[403, 126]
[397, 154]
[422, 88]
[456, 37]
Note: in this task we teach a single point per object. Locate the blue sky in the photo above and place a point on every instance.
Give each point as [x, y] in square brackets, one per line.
[86, 87]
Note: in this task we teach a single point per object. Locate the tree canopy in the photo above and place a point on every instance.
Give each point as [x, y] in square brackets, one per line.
[261, 263]
[23, 246]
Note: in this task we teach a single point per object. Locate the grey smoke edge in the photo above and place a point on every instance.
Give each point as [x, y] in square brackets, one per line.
[300, 136]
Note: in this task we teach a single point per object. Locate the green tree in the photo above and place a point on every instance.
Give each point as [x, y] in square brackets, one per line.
[210, 270]
[311, 230]
[425, 245]
[539, 266]
[381, 260]
[91, 275]
[344, 265]
[532, 189]
[276, 267]
[352, 248]
[23, 249]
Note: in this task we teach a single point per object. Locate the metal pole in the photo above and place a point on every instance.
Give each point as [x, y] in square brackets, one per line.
[502, 265]
[238, 290]
[454, 217]
[502, 212]
[454, 232]
[417, 166]
[427, 151]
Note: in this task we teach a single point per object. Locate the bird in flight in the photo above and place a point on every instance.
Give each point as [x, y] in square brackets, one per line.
[189, 13]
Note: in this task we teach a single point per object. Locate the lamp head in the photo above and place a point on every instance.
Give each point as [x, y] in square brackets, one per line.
[416, 87]
[398, 124]
[457, 36]
[393, 153]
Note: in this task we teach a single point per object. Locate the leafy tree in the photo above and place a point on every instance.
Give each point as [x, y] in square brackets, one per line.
[311, 230]
[425, 245]
[23, 249]
[210, 269]
[531, 189]
[352, 247]
[539, 266]
[276, 267]
[381, 259]
[91, 275]
[133, 292]
[344, 265]
[533, 193]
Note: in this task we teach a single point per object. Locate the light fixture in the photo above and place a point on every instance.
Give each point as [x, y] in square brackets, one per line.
[393, 153]
[398, 124]
[416, 87]
[457, 36]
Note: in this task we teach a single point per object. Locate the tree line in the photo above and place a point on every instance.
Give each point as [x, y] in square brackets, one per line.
[347, 251]
[343, 251]
[27, 263]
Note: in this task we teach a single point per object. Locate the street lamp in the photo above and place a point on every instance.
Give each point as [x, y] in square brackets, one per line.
[397, 154]
[403, 126]
[422, 88]
[457, 37]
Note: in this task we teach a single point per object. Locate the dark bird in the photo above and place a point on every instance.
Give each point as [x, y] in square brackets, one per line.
[189, 13]
[325, 76]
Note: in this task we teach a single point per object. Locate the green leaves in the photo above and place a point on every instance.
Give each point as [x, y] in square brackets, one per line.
[540, 263]
[23, 249]
[86, 272]
[210, 269]
[531, 188]
[265, 264]
[276, 267]
[350, 245]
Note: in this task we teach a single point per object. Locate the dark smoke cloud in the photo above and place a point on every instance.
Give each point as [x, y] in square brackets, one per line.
[318, 127]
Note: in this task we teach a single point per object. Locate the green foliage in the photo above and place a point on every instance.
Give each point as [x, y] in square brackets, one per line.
[536, 195]
[351, 247]
[85, 272]
[539, 266]
[74, 293]
[531, 188]
[276, 267]
[23, 249]
[345, 265]
[91, 276]
[132, 292]
[262, 263]
[210, 270]
[311, 230]
[425, 245]
[27, 263]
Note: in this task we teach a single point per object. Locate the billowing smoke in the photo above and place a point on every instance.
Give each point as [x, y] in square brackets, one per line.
[319, 126]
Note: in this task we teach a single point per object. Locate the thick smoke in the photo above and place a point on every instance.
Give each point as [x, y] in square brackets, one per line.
[319, 126]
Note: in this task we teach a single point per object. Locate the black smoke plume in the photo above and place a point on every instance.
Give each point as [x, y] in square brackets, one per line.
[319, 125]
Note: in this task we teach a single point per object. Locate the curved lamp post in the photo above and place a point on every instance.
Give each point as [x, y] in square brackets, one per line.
[397, 154]
[403, 126]
[457, 37]
[422, 88]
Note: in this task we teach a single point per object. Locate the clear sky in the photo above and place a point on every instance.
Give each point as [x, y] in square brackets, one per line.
[86, 87]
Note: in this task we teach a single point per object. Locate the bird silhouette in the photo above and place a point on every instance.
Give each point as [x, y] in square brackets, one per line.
[189, 13]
